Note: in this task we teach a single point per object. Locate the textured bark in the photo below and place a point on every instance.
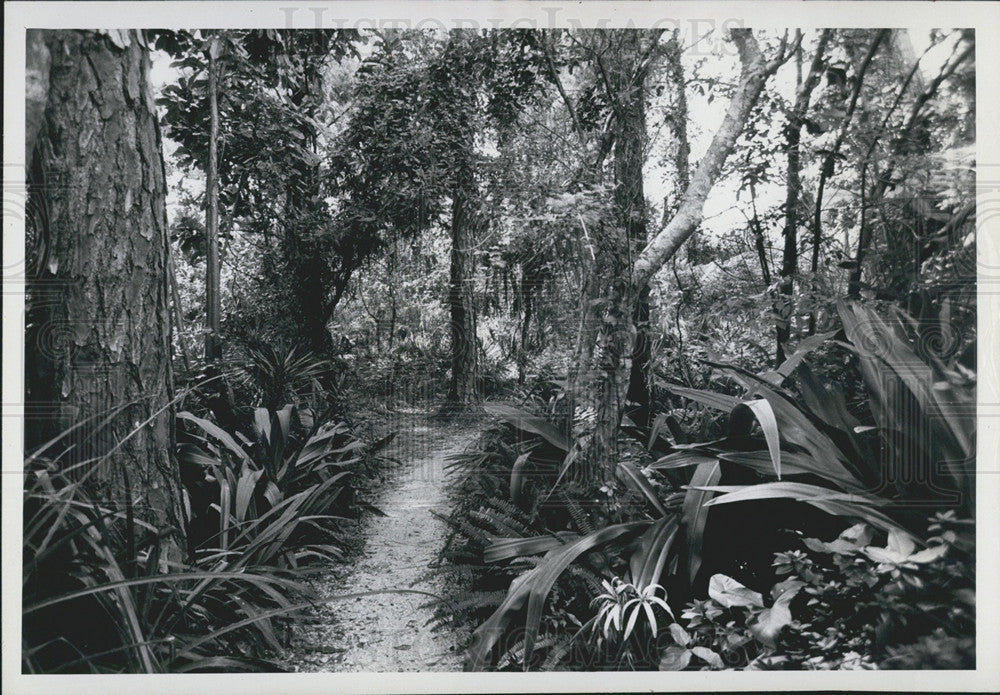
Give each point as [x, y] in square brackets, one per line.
[98, 333]
[623, 359]
[682, 151]
[526, 301]
[630, 204]
[615, 342]
[462, 388]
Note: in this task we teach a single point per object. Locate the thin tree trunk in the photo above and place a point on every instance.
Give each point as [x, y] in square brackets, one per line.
[630, 203]
[793, 193]
[758, 238]
[864, 238]
[828, 162]
[213, 306]
[525, 290]
[98, 332]
[462, 389]
[679, 118]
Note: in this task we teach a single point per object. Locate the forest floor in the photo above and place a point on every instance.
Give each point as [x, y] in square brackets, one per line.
[391, 632]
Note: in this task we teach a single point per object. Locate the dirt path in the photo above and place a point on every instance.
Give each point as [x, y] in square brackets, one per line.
[390, 632]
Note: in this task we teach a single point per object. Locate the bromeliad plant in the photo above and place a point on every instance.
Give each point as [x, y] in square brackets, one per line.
[617, 621]
[93, 604]
[278, 497]
[274, 375]
[104, 592]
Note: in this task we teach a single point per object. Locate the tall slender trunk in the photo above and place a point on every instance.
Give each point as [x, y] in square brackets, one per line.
[793, 193]
[630, 204]
[527, 302]
[213, 306]
[463, 390]
[98, 328]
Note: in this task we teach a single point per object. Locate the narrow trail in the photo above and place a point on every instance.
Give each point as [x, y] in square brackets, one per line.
[390, 632]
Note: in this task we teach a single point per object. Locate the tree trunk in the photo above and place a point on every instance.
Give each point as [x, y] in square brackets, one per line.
[525, 290]
[213, 306]
[630, 204]
[793, 191]
[98, 330]
[623, 362]
[665, 244]
[462, 389]
[614, 341]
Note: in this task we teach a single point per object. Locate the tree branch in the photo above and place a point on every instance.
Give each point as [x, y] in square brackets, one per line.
[664, 245]
[554, 74]
[828, 162]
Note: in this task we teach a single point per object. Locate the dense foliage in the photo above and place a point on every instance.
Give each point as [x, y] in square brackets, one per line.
[715, 309]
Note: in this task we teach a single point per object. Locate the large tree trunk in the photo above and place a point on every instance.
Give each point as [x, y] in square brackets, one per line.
[462, 389]
[98, 331]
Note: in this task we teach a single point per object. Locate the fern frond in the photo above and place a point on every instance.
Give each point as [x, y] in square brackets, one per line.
[583, 523]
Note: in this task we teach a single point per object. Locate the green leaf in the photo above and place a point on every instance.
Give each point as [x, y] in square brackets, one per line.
[708, 656]
[245, 487]
[729, 593]
[848, 542]
[220, 434]
[769, 424]
[681, 459]
[694, 512]
[784, 592]
[679, 635]
[647, 562]
[634, 479]
[801, 492]
[517, 476]
[809, 344]
[710, 398]
[630, 625]
[770, 622]
[793, 463]
[675, 659]
[506, 548]
[526, 421]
